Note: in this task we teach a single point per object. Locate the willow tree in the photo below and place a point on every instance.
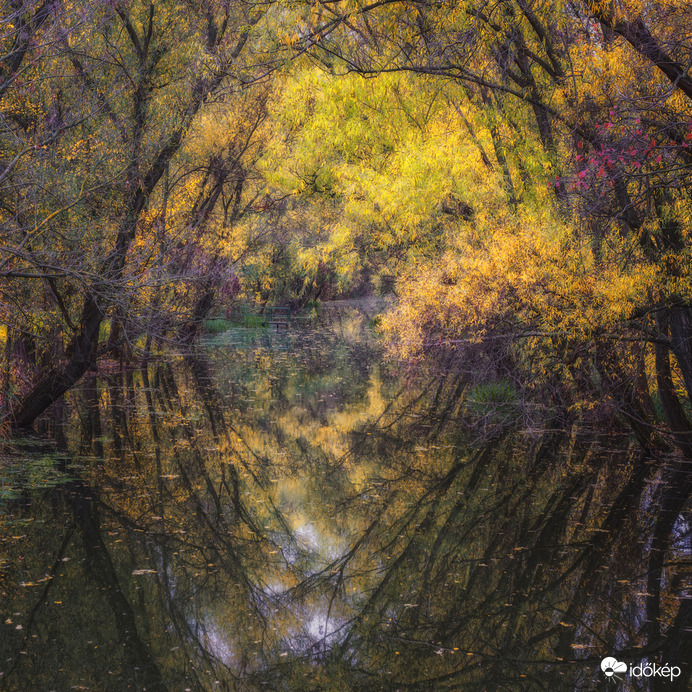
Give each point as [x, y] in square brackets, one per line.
[105, 194]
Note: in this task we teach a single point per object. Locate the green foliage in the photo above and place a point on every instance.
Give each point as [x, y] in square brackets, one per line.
[251, 321]
[496, 399]
[215, 325]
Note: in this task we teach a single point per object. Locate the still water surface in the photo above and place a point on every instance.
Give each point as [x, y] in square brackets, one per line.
[293, 511]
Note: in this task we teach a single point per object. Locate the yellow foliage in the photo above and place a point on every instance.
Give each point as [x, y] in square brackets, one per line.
[529, 277]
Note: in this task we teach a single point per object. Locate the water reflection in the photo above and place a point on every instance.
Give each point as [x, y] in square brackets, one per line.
[288, 512]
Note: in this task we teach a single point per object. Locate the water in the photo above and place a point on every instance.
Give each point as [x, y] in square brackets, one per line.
[294, 511]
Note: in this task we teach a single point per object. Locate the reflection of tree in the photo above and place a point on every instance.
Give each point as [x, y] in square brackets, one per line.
[517, 565]
[266, 521]
[137, 656]
[172, 548]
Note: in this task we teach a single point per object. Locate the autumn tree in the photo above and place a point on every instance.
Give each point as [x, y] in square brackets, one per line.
[603, 88]
[105, 199]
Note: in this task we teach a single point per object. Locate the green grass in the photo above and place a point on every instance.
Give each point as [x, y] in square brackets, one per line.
[498, 399]
[215, 326]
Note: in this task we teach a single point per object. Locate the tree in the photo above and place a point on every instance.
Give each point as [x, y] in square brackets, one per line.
[603, 87]
[100, 205]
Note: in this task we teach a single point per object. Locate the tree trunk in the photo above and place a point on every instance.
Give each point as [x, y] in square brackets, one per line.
[58, 380]
[680, 321]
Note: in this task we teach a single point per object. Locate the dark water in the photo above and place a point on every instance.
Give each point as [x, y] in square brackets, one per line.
[291, 511]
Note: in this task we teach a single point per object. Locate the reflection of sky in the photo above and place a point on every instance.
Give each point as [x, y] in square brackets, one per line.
[682, 536]
[309, 396]
[320, 627]
[322, 546]
[310, 537]
[217, 642]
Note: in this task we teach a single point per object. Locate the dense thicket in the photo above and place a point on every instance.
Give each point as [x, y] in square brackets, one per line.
[518, 171]
[522, 169]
